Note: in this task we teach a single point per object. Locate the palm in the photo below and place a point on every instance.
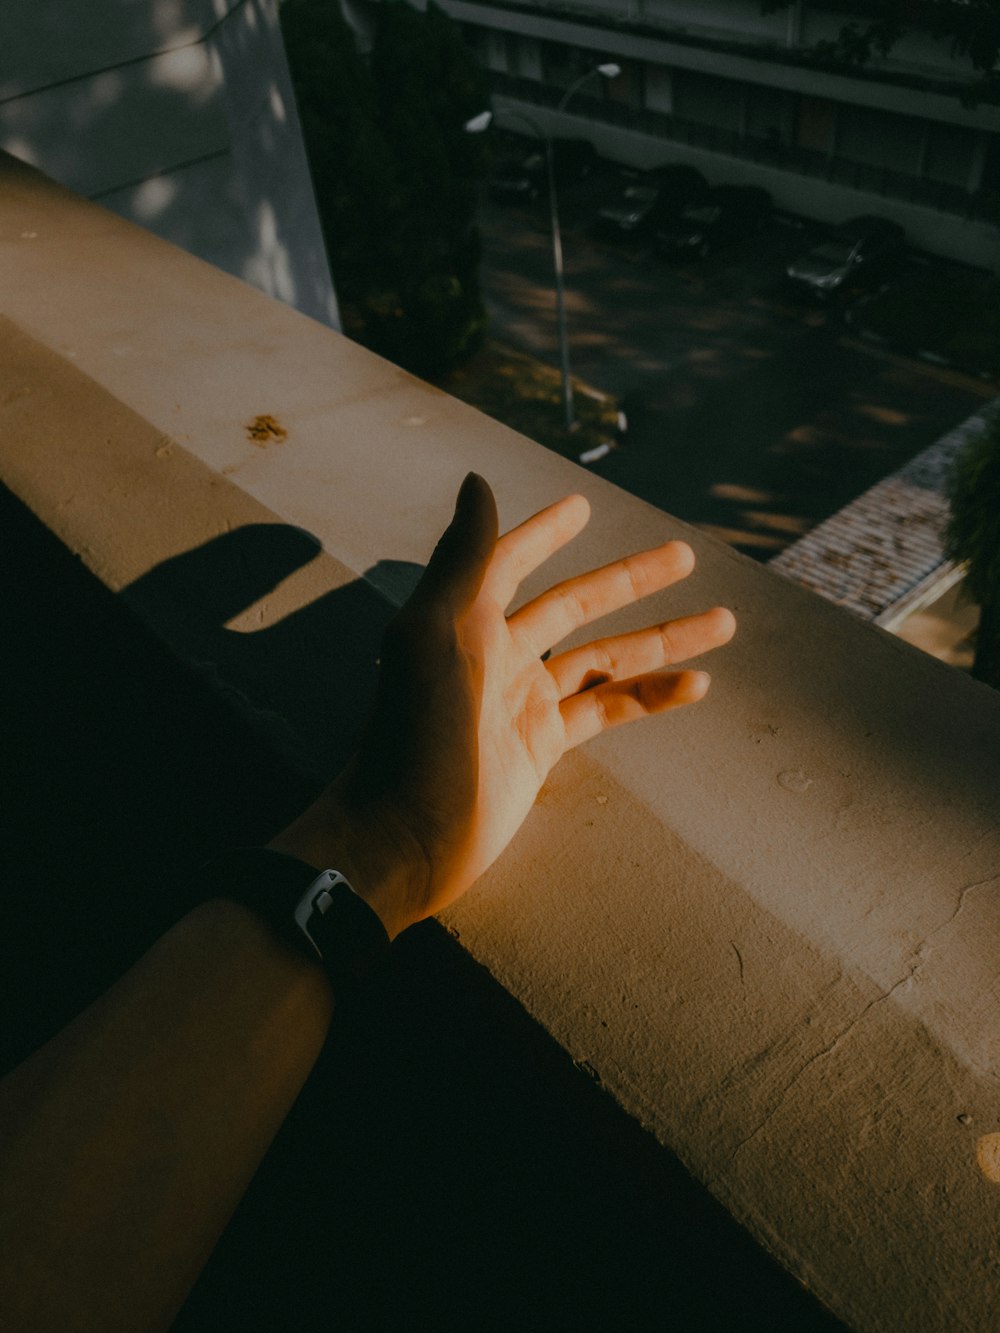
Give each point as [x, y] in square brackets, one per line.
[521, 736]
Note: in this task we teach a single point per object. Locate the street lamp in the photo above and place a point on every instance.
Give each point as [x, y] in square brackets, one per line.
[608, 70]
[476, 124]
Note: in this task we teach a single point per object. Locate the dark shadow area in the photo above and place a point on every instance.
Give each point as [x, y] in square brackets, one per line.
[447, 1166]
[329, 648]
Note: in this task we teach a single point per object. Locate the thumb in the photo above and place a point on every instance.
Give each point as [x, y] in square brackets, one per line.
[456, 570]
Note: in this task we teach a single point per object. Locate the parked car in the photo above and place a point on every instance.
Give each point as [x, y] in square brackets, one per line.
[722, 216]
[520, 176]
[857, 253]
[649, 198]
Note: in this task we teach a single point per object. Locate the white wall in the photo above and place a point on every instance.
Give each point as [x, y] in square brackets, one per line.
[179, 115]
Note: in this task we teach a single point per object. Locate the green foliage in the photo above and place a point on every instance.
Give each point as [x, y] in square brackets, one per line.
[973, 536]
[971, 27]
[974, 529]
[396, 175]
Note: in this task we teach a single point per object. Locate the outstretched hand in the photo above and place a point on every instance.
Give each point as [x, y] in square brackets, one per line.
[469, 719]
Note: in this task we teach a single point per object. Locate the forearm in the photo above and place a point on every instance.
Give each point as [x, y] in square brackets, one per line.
[128, 1140]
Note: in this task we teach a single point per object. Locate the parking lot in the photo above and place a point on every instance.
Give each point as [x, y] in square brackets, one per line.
[753, 409]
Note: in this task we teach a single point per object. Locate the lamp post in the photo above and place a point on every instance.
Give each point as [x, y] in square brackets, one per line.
[478, 123]
[607, 70]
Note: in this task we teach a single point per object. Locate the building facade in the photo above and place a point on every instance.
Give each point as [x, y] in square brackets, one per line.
[178, 115]
[736, 93]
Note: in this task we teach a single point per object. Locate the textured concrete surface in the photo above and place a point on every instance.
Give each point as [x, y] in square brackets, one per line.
[768, 926]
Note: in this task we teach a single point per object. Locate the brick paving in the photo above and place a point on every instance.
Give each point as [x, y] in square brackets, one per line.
[878, 552]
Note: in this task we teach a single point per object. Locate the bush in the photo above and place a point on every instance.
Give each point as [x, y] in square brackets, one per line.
[973, 537]
[396, 175]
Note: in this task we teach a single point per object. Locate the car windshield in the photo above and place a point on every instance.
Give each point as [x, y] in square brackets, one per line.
[702, 213]
[833, 252]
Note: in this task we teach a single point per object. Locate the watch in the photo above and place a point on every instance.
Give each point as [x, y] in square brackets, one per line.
[318, 912]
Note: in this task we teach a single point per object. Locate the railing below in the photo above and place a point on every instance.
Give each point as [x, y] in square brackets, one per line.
[767, 151]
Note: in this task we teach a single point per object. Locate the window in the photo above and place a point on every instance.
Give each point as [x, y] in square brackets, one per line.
[768, 112]
[814, 124]
[627, 87]
[708, 100]
[659, 89]
[880, 138]
[949, 154]
[523, 57]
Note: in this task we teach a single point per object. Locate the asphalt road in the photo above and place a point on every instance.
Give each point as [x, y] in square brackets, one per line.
[751, 410]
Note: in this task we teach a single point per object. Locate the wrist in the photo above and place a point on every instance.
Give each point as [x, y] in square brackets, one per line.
[388, 874]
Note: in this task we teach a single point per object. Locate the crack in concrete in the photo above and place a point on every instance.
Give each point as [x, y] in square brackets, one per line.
[739, 959]
[963, 894]
[917, 962]
[820, 1055]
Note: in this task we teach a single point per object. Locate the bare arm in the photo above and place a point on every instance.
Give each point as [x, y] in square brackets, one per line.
[127, 1141]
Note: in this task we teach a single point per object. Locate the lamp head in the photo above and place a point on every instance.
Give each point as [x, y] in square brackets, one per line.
[476, 124]
[610, 70]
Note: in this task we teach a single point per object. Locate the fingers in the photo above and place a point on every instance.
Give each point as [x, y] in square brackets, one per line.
[586, 715]
[456, 570]
[520, 551]
[629, 655]
[567, 606]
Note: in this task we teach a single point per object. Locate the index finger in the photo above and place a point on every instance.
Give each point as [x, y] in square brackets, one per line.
[519, 552]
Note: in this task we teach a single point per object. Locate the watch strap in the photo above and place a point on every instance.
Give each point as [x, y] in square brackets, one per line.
[316, 911]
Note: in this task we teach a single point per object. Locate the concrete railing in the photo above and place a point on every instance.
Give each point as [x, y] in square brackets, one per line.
[769, 925]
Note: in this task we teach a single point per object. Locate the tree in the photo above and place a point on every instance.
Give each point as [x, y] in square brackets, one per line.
[396, 175]
[972, 27]
[973, 536]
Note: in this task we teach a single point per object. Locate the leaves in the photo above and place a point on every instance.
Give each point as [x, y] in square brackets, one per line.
[971, 27]
[395, 173]
[973, 534]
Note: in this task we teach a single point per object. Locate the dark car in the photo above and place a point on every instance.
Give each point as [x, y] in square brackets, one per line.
[524, 176]
[857, 253]
[647, 199]
[720, 217]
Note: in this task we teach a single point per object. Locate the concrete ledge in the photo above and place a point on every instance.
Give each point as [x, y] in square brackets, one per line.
[768, 926]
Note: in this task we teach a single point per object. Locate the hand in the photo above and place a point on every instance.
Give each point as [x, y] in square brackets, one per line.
[469, 719]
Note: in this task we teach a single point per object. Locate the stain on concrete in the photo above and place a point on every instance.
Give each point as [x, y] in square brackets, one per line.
[264, 430]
